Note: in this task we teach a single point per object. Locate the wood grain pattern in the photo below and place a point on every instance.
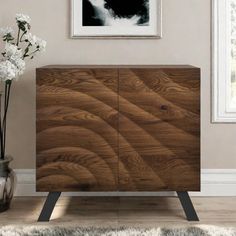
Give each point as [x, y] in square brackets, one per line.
[110, 129]
[77, 144]
[160, 119]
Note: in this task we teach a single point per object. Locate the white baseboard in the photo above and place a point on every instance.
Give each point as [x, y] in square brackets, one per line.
[215, 182]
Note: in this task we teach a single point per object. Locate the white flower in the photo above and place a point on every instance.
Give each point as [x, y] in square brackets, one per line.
[20, 64]
[14, 56]
[32, 39]
[12, 50]
[8, 71]
[23, 18]
[41, 44]
[6, 31]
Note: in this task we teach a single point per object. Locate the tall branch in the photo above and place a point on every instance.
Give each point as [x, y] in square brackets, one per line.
[1, 138]
[4, 125]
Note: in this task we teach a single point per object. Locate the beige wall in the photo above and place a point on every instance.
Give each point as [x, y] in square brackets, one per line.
[186, 40]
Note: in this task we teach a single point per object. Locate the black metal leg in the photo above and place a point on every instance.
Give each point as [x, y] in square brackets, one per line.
[187, 206]
[49, 206]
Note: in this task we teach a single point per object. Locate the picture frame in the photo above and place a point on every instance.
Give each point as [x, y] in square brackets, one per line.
[120, 27]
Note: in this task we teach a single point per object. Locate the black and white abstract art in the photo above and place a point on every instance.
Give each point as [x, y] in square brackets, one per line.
[116, 18]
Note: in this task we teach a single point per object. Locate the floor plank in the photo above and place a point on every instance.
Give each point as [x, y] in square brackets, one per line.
[123, 211]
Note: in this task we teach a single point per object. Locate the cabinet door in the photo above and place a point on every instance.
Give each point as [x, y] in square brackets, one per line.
[77, 120]
[159, 129]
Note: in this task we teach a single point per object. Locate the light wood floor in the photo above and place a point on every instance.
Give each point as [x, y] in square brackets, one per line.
[124, 211]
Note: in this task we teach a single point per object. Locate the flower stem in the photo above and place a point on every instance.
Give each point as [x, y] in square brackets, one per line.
[18, 37]
[26, 51]
[33, 52]
[1, 138]
[22, 36]
[8, 84]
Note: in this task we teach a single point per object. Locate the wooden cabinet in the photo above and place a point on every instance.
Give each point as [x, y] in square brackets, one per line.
[118, 128]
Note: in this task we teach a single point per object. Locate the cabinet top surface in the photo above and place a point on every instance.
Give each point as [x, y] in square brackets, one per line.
[118, 67]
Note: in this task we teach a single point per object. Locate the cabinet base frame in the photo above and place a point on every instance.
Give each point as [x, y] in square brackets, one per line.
[187, 206]
[52, 198]
[48, 207]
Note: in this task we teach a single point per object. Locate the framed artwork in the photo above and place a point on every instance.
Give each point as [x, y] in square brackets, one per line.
[116, 18]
